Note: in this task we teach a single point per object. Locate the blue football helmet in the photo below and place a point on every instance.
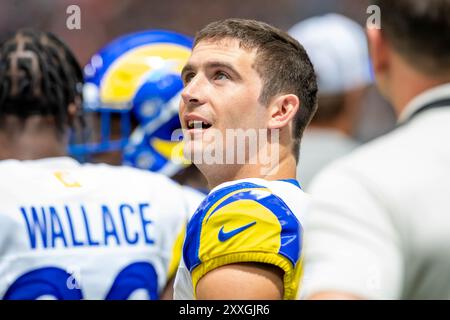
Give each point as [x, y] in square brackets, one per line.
[137, 77]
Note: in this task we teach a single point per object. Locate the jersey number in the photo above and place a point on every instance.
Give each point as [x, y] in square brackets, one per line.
[59, 284]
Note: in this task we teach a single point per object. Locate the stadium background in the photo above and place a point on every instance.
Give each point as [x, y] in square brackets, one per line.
[104, 20]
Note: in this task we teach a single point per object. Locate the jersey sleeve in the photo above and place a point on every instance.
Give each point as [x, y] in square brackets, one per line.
[351, 244]
[244, 224]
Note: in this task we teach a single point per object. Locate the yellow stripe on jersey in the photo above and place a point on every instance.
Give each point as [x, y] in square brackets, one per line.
[292, 277]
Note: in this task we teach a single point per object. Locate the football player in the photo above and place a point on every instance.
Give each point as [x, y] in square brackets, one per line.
[67, 230]
[245, 239]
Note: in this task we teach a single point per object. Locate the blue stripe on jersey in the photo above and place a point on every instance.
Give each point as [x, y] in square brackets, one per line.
[235, 197]
[292, 181]
[291, 229]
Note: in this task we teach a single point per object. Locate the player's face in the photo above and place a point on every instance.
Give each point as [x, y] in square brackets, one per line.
[221, 92]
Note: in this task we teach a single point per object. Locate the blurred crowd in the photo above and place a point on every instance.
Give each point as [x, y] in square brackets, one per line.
[104, 20]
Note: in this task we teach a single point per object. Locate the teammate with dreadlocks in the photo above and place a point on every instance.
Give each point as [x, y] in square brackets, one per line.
[72, 231]
[39, 95]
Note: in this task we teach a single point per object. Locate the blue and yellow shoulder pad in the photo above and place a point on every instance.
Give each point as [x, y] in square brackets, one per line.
[244, 222]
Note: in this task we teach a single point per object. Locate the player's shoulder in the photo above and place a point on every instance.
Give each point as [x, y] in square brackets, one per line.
[161, 186]
[274, 195]
[13, 164]
[251, 212]
[129, 174]
[8, 165]
[250, 188]
[26, 168]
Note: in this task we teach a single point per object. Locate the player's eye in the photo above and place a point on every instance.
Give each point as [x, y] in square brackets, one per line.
[220, 75]
[188, 77]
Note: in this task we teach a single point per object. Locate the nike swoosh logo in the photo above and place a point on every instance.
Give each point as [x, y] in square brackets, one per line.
[224, 236]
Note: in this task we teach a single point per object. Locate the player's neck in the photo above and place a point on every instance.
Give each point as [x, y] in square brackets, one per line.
[284, 169]
[418, 82]
[30, 148]
[29, 140]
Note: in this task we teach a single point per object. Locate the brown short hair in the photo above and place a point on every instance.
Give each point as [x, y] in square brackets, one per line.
[281, 62]
[419, 31]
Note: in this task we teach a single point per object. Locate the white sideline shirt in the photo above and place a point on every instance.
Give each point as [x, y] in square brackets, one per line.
[379, 226]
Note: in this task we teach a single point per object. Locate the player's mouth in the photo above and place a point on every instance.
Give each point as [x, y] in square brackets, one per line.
[196, 123]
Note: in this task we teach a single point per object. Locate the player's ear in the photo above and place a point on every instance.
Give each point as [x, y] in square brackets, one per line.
[379, 50]
[74, 112]
[282, 110]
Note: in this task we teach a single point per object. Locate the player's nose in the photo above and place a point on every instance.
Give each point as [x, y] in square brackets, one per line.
[193, 93]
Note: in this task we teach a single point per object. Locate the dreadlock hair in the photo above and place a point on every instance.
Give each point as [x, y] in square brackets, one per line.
[39, 75]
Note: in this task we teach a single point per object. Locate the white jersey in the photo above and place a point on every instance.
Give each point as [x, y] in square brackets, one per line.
[380, 223]
[250, 220]
[72, 231]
